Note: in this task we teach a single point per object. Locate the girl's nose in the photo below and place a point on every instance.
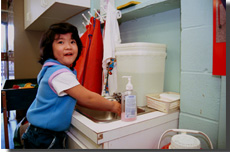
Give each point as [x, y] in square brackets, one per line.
[68, 46]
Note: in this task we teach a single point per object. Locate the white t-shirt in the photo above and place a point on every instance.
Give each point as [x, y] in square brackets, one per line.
[64, 81]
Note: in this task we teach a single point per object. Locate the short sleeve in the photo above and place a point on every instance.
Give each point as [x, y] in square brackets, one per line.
[64, 81]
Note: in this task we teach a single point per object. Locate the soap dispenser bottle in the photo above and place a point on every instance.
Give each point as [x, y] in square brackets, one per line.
[128, 102]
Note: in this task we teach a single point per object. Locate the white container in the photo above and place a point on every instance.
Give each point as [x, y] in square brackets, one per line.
[145, 62]
[164, 102]
[183, 140]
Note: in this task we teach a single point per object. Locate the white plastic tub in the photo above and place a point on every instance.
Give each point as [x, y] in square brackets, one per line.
[145, 62]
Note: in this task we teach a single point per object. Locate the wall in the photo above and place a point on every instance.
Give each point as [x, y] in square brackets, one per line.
[26, 46]
[77, 21]
[203, 96]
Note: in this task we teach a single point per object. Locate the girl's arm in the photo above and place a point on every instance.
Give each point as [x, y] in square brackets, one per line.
[93, 100]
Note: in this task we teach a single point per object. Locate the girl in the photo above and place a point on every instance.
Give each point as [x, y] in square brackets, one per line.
[50, 113]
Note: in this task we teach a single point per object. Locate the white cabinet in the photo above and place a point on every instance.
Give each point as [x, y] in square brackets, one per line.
[40, 14]
[143, 133]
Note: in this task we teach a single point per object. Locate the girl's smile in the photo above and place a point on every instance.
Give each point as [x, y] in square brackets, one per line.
[65, 49]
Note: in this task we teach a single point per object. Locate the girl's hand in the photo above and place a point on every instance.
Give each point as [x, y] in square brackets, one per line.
[116, 108]
[93, 100]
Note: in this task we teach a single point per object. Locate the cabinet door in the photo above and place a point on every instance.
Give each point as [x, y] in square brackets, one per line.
[146, 139]
[89, 144]
[74, 143]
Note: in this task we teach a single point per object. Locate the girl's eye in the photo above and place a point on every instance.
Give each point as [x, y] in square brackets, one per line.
[60, 42]
[73, 42]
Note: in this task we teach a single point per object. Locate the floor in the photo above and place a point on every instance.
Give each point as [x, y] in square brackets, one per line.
[11, 127]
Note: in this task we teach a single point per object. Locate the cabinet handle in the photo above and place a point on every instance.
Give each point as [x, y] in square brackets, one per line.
[44, 3]
[100, 136]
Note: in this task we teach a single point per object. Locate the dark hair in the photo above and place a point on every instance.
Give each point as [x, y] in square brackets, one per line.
[46, 49]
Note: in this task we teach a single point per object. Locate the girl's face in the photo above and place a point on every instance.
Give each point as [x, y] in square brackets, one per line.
[65, 49]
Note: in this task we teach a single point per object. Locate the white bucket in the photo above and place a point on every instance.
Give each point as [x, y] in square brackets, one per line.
[184, 141]
[145, 62]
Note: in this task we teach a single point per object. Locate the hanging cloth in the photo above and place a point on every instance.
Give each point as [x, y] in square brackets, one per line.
[111, 39]
[86, 42]
[93, 73]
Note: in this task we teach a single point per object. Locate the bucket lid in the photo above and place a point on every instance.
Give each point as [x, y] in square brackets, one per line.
[141, 48]
[184, 141]
[142, 45]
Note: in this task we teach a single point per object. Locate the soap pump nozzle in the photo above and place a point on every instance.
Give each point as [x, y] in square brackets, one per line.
[129, 85]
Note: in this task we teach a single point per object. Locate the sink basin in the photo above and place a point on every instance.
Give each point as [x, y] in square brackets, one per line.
[106, 116]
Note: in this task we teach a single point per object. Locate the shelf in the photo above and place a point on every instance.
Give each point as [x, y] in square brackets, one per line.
[148, 8]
